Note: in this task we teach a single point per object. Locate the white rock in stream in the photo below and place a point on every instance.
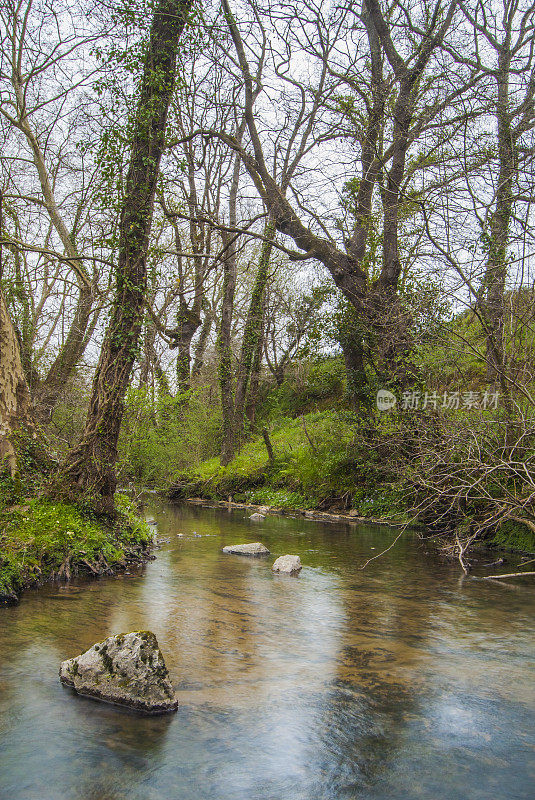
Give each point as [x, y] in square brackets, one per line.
[254, 549]
[288, 564]
[257, 517]
[127, 669]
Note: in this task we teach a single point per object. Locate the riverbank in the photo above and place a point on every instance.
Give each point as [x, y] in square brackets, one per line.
[323, 465]
[352, 517]
[42, 540]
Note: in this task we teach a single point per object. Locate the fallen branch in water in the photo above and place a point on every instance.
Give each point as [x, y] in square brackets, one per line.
[398, 537]
[460, 551]
[506, 575]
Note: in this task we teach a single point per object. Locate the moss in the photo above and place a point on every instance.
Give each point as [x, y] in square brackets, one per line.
[148, 637]
[515, 536]
[107, 660]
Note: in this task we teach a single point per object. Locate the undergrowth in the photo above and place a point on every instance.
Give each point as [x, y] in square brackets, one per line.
[515, 536]
[319, 461]
[42, 539]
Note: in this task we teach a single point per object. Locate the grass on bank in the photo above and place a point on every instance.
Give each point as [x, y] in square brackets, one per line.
[318, 460]
[42, 539]
[322, 461]
[324, 458]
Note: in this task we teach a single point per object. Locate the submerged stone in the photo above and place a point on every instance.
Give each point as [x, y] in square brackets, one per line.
[288, 564]
[254, 549]
[257, 517]
[127, 669]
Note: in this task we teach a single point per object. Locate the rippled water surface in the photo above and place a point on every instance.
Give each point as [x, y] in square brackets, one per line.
[400, 681]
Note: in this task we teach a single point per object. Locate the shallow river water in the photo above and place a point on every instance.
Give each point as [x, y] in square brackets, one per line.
[397, 681]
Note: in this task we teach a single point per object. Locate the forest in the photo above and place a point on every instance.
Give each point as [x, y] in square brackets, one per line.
[267, 399]
[275, 254]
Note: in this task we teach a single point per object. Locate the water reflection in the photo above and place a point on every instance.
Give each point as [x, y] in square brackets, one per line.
[337, 684]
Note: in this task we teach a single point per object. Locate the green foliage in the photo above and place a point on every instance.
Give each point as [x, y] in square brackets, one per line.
[318, 458]
[515, 536]
[452, 352]
[453, 355]
[134, 529]
[310, 384]
[162, 434]
[385, 500]
[41, 538]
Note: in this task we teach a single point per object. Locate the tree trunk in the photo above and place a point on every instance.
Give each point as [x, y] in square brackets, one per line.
[145, 366]
[200, 349]
[252, 331]
[15, 404]
[91, 465]
[357, 383]
[188, 323]
[498, 234]
[269, 446]
[49, 390]
[254, 386]
[224, 339]
[224, 347]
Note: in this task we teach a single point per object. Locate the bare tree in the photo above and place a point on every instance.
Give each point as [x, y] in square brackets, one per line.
[374, 298]
[41, 86]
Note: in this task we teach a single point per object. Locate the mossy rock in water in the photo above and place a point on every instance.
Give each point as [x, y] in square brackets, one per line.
[127, 669]
[249, 549]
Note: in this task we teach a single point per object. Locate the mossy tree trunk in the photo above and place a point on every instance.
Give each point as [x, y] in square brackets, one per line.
[254, 384]
[200, 349]
[188, 321]
[498, 229]
[253, 332]
[224, 337]
[90, 466]
[234, 402]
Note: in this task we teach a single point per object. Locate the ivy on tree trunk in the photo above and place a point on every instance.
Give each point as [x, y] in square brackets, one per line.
[90, 466]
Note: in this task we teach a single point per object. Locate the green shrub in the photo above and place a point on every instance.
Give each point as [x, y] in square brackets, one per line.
[309, 384]
[163, 434]
[515, 536]
[317, 457]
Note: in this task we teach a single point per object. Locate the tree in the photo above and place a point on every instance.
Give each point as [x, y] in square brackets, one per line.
[508, 39]
[15, 403]
[373, 298]
[90, 466]
[42, 107]
[478, 216]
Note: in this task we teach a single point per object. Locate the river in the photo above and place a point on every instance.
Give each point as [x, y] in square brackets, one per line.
[400, 681]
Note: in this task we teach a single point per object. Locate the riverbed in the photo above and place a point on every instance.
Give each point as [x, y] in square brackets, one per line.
[398, 681]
